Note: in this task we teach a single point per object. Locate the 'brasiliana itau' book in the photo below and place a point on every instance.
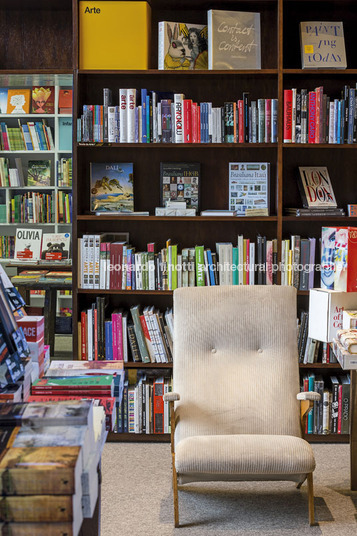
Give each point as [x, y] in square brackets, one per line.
[322, 45]
[111, 187]
[233, 40]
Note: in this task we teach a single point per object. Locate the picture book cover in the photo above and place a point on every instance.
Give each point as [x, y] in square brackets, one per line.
[65, 133]
[112, 187]
[55, 246]
[322, 45]
[39, 173]
[182, 46]
[43, 100]
[28, 244]
[65, 100]
[315, 187]
[180, 181]
[345, 259]
[233, 40]
[249, 188]
[3, 100]
[18, 101]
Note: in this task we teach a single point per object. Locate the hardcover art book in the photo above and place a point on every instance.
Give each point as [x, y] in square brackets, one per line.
[39, 173]
[233, 40]
[43, 100]
[182, 46]
[55, 246]
[65, 101]
[249, 188]
[112, 187]
[18, 101]
[315, 188]
[322, 45]
[28, 244]
[180, 181]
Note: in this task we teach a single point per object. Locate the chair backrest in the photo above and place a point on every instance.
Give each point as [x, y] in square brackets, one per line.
[235, 361]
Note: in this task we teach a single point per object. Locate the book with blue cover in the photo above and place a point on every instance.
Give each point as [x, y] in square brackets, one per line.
[65, 133]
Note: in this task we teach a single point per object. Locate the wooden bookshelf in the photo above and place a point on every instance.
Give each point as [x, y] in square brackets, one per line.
[281, 69]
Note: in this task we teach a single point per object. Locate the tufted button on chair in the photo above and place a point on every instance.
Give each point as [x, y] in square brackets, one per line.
[235, 410]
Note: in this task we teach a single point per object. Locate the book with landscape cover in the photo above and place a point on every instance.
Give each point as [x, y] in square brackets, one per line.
[55, 247]
[43, 100]
[112, 187]
[249, 188]
[315, 188]
[180, 181]
[233, 40]
[39, 173]
[28, 244]
[182, 46]
[322, 45]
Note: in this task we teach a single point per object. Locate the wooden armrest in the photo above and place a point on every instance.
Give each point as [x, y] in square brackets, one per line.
[171, 397]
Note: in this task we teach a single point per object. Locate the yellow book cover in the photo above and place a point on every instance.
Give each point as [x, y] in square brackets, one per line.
[290, 267]
[18, 101]
[114, 35]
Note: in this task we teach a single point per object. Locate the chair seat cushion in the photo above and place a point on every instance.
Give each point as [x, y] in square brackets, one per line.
[243, 457]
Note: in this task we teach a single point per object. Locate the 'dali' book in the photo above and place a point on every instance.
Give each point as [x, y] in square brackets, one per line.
[182, 46]
[43, 100]
[180, 181]
[322, 45]
[233, 40]
[315, 187]
[111, 187]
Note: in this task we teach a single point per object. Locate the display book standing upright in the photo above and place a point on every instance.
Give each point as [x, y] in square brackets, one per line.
[280, 69]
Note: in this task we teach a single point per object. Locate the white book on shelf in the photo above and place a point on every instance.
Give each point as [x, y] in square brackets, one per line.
[251, 263]
[131, 105]
[123, 115]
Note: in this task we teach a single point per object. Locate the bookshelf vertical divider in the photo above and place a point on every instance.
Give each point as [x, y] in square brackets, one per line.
[280, 69]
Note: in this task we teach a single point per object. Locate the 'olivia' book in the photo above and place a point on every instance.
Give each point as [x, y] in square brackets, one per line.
[28, 244]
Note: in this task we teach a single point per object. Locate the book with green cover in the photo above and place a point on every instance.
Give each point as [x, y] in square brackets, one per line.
[96, 381]
[39, 173]
[200, 266]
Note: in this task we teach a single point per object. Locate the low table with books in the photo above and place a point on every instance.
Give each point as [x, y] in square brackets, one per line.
[50, 282]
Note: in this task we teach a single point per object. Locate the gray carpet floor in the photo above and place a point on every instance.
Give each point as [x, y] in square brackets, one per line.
[137, 498]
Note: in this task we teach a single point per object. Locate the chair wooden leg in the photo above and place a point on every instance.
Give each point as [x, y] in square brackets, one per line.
[310, 490]
[175, 491]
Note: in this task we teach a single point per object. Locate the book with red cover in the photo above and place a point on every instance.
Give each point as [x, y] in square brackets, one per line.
[312, 117]
[187, 123]
[158, 393]
[65, 101]
[43, 100]
[240, 121]
[288, 115]
[116, 257]
[84, 336]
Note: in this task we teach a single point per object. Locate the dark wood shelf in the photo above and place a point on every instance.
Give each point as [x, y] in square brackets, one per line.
[319, 72]
[152, 438]
[329, 438]
[320, 145]
[320, 218]
[138, 365]
[96, 145]
[328, 366]
[184, 73]
[125, 292]
[236, 219]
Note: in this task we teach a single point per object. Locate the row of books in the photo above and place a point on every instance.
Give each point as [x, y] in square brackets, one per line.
[11, 176]
[145, 335]
[64, 172]
[314, 117]
[310, 350]
[345, 344]
[331, 414]
[64, 207]
[116, 264]
[30, 136]
[298, 262]
[32, 207]
[7, 247]
[171, 118]
[35, 100]
[143, 410]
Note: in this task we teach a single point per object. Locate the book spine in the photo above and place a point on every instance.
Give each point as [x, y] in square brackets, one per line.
[267, 137]
[187, 123]
[131, 106]
[179, 117]
[123, 103]
[274, 122]
[288, 103]
[312, 117]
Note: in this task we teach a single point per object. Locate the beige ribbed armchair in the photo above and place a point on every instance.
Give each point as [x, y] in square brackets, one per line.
[235, 411]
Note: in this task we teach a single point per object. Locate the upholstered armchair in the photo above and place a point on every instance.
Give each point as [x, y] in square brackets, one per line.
[235, 410]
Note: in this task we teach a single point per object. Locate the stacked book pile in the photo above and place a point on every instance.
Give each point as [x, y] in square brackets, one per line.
[345, 348]
[49, 463]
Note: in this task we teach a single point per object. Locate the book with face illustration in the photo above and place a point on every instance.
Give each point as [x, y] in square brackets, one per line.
[182, 46]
